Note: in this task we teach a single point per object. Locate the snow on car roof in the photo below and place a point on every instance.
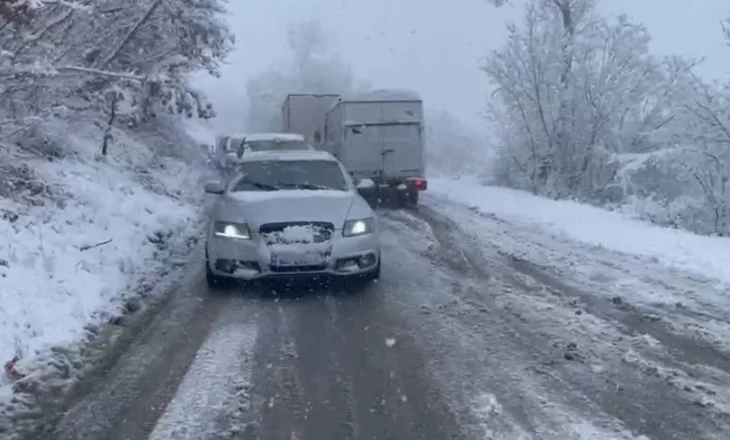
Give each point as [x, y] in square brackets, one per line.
[232, 135]
[274, 136]
[237, 137]
[255, 156]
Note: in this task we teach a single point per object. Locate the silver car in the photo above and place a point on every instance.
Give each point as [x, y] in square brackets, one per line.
[291, 214]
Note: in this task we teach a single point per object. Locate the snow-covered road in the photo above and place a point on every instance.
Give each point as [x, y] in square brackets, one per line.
[470, 334]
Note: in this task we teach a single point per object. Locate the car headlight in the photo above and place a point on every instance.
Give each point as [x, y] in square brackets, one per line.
[231, 230]
[358, 227]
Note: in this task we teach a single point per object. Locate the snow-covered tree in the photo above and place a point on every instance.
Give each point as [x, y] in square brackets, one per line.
[582, 109]
[573, 90]
[140, 54]
[162, 42]
[313, 67]
[704, 159]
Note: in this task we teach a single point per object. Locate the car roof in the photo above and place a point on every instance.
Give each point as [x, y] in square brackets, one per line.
[256, 156]
[270, 136]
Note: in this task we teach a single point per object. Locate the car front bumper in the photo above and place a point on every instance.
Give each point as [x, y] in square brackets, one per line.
[251, 259]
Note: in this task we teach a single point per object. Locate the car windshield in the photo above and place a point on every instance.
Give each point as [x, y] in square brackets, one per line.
[290, 174]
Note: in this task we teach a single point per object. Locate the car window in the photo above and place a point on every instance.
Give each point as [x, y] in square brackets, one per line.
[232, 144]
[290, 174]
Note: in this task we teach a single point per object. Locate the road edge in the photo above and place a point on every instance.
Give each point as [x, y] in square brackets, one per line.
[43, 395]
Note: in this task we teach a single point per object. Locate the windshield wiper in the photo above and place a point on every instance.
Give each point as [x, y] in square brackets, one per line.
[261, 185]
[305, 186]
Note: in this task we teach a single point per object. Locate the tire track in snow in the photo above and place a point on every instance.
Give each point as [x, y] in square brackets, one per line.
[499, 356]
[210, 385]
[277, 410]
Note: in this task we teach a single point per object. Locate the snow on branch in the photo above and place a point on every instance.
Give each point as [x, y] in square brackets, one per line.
[101, 72]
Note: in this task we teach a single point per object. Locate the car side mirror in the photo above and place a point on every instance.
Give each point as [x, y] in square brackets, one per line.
[215, 187]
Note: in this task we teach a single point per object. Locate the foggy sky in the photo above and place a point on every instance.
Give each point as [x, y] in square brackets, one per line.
[435, 46]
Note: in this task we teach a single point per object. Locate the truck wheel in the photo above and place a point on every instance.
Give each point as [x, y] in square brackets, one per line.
[402, 198]
[413, 196]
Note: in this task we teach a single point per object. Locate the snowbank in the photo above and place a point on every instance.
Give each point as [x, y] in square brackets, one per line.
[612, 230]
[71, 252]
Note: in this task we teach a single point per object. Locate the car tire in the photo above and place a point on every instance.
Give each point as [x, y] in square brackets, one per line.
[374, 274]
[213, 280]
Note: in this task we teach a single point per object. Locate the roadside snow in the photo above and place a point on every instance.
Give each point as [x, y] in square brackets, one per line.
[69, 255]
[683, 250]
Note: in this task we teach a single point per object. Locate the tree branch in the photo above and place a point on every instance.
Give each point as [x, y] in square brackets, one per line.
[92, 246]
[130, 34]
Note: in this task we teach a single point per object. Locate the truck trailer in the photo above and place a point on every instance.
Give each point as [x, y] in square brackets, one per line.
[304, 114]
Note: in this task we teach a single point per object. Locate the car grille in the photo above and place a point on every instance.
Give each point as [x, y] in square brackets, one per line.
[272, 232]
[298, 269]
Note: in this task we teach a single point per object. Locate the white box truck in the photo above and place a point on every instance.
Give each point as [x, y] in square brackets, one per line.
[304, 113]
[380, 136]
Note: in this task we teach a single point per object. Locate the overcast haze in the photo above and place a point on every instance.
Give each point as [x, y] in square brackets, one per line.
[435, 46]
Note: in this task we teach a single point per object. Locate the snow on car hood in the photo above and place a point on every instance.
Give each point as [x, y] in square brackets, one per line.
[259, 207]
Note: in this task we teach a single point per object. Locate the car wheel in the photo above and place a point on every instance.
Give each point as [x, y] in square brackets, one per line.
[213, 280]
[374, 274]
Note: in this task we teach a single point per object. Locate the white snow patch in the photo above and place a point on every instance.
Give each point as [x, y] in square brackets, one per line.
[272, 137]
[298, 242]
[702, 393]
[298, 234]
[491, 419]
[209, 386]
[245, 273]
[67, 262]
[585, 431]
[594, 226]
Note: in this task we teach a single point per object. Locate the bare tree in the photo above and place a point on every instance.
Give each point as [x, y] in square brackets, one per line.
[313, 67]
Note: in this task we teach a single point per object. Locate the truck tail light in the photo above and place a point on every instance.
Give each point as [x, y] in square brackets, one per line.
[420, 183]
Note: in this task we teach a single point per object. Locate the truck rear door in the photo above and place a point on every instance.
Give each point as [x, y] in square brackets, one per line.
[402, 149]
[363, 153]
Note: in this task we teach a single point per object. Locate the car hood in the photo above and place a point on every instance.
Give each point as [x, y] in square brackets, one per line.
[259, 207]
